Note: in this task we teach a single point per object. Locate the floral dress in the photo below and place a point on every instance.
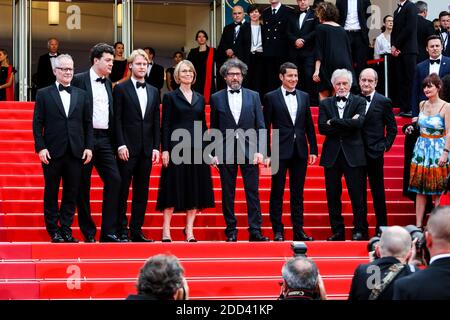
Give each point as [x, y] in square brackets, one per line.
[426, 176]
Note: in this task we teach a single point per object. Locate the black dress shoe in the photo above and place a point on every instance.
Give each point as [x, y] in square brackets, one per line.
[56, 238]
[302, 236]
[359, 236]
[337, 237]
[109, 238]
[89, 239]
[139, 237]
[232, 238]
[166, 240]
[192, 239]
[257, 237]
[278, 236]
[69, 239]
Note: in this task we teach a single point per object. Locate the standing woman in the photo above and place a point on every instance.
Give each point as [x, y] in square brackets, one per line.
[383, 41]
[170, 80]
[333, 50]
[119, 70]
[429, 165]
[183, 187]
[6, 77]
[255, 75]
[203, 59]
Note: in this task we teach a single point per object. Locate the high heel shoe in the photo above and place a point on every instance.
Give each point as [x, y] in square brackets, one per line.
[166, 240]
[190, 239]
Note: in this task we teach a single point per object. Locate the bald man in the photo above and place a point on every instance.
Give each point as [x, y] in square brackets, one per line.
[394, 249]
[432, 283]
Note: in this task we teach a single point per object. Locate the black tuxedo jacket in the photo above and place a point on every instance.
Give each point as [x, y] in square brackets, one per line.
[362, 6]
[359, 289]
[404, 32]
[432, 283]
[156, 76]
[277, 116]
[241, 47]
[378, 118]
[424, 30]
[45, 75]
[251, 118]
[274, 31]
[140, 135]
[445, 45]
[83, 81]
[55, 131]
[307, 32]
[343, 133]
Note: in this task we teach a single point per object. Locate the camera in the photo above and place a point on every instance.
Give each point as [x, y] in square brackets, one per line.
[299, 248]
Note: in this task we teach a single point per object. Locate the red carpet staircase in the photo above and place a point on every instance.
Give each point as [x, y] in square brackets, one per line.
[215, 270]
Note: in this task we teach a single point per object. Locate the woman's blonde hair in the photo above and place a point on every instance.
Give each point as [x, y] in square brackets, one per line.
[176, 72]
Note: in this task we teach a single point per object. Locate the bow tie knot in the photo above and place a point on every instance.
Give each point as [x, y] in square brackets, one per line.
[338, 99]
[303, 11]
[101, 80]
[234, 91]
[368, 98]
[238, 23]
[399, 5]
[140, 85]
[438, 61]
[290, 92]
[62, 88]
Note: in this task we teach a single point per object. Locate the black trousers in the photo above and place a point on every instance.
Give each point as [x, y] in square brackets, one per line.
[256, 74]
[271, 72]
[68, 168]
[250, 175]
[359, 51]
[297, 174]
[306, 67]
[375, 174]
[404, 67]
[137, 171]
[355, 179]
[105, 162]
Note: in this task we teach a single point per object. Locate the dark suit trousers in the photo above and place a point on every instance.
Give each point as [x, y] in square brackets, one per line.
[250, 175]
[255, 76]
[68, 168]
[297, 174]
[105, 162]
[359, 51]
[375, 173]
[271, 72]
[404, 68]
[355, 179]
[137, 170]
[306, 67]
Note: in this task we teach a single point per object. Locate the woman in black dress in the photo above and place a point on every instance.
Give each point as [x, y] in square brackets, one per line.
[333, 49]
[185, 184]
[6, 77]
[170, 80]
[119, 70]
[203, 59]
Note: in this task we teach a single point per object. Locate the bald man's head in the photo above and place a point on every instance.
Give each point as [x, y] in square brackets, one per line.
[238, 14]
[438, 225]
[395, 242]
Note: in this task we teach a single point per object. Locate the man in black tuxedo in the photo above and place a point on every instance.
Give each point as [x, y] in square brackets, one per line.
[288, 111]
[432, 283]
[136, 113]
[341, 119]
[404, 54]
[275, 40]
[99, 89]
[235, 40]
[238, 110]
[353, 16]
[379, 118]
[394, 249]
[45, 75]
[62, 129]
[155, 72]
[424, 30]
[444, 21]
[301, 32]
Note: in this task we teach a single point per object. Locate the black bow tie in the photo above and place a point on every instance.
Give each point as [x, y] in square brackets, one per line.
[238, 23]
[140, 84]
[288, 93]
[52, 56]
[341, 99]
[399, 5]
[234, 91]
[303, 11]
[368, 98]
[102, 80]
[438, 61]
[68, 88]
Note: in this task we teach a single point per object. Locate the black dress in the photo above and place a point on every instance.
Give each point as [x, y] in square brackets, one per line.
[199, 60]
[184, 186]
[173, 83]
[334, 51]
[3, 80]
[118, 70]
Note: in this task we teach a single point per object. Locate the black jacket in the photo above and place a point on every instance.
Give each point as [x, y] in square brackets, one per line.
[45, 75]
[404, 32]
[156, 76]
[363, 15]
[307, 32]
[274, 31]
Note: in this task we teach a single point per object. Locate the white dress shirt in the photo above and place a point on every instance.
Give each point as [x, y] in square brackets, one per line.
[341, 106]
[301, 18]
[142, 96]
[100, 116]
[369, 103]
[256, 39]
[400, 8]
[291, 103]
[276, 8]
[235, 102]
[352, 21]
[52, 60]
[382, 46]
[65, 98]
[434, 68]
[149, 68]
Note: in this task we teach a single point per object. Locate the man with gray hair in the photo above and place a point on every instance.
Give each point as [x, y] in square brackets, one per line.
[425, 29]
[239, 111]
[395, 250]
[341, 119]
[301, 280]
[432, 283]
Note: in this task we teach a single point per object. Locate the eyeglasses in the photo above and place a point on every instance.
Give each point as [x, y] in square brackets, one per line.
[234, 74]
[65, 69]
[186, 71]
